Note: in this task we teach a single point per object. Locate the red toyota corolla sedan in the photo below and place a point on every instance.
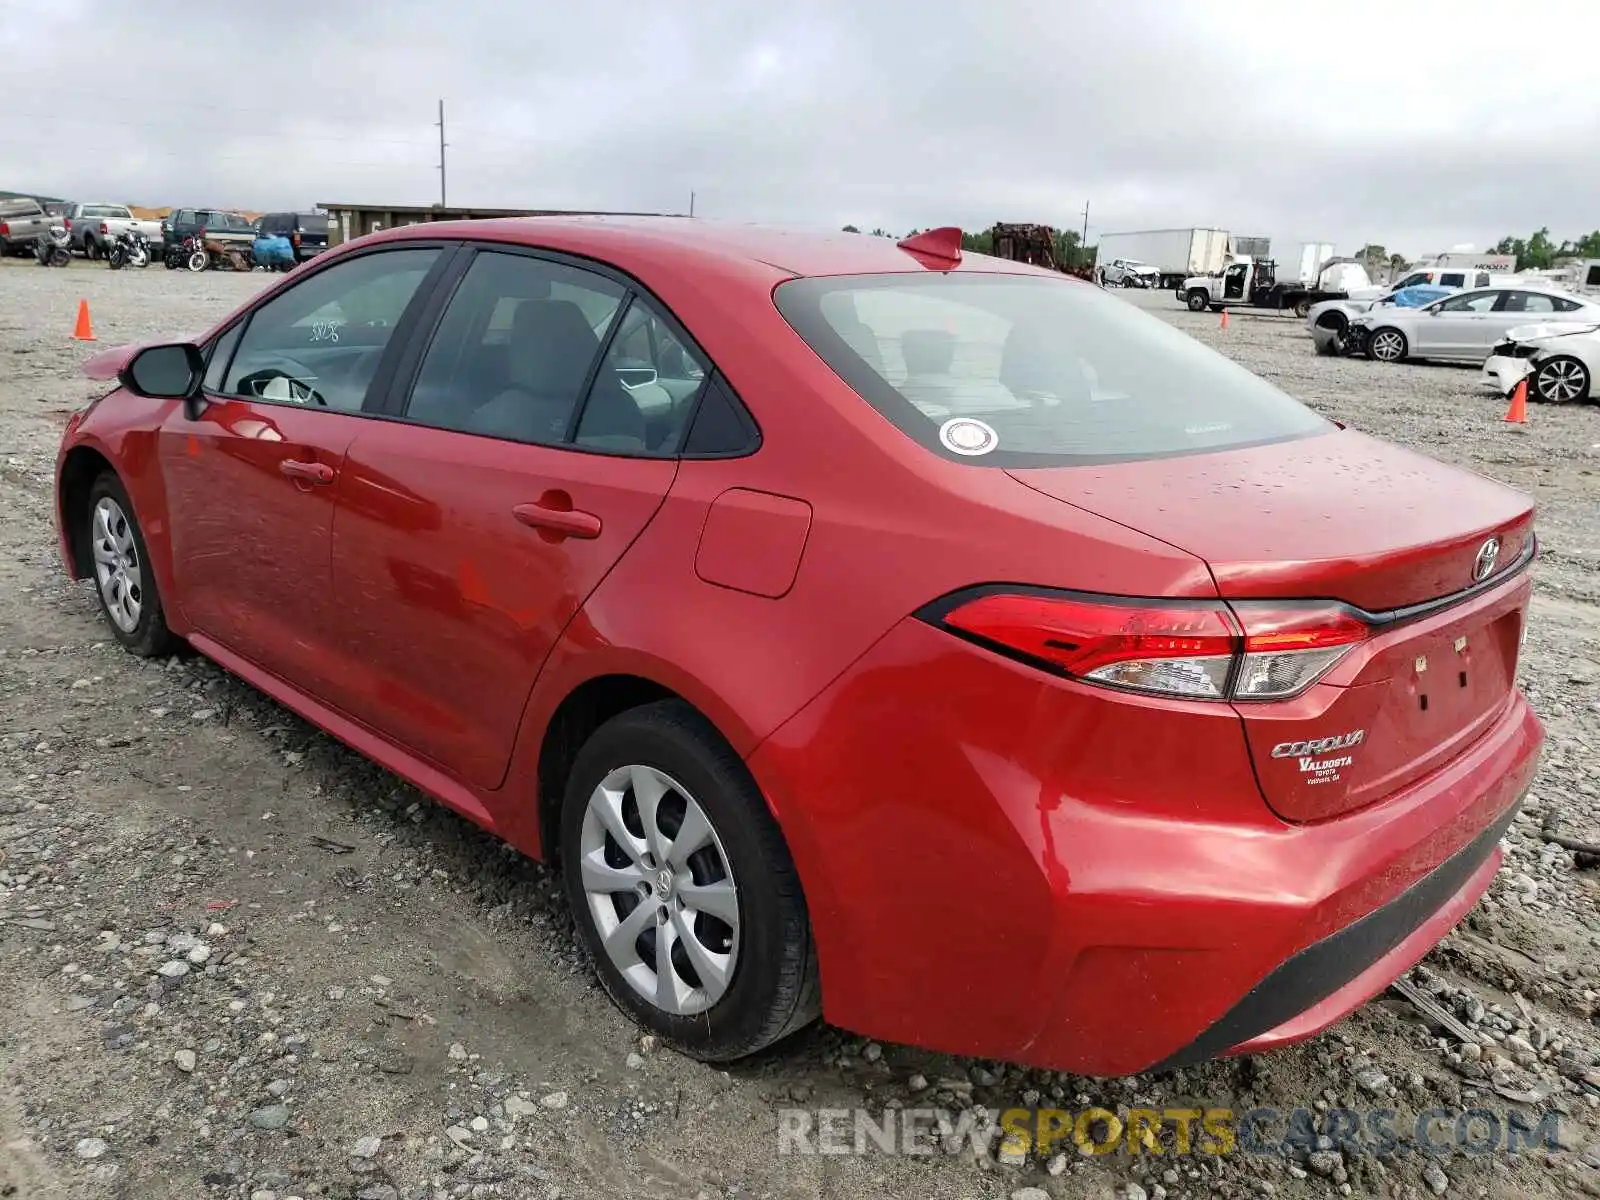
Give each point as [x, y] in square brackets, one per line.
[929, 642]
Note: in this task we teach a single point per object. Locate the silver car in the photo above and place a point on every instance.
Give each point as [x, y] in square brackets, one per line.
[1464, 327]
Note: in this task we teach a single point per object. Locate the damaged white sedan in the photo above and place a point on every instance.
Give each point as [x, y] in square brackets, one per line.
[1559, 362]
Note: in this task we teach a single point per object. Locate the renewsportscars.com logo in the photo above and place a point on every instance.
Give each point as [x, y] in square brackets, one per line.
[1017, 1134]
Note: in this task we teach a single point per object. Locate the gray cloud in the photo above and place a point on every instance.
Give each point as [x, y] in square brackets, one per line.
[1231, 113]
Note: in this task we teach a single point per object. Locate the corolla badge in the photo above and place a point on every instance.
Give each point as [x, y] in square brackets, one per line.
[1488, 555]
[1343, 741]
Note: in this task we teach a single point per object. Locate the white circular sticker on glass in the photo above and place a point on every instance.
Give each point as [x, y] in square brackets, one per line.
[964, 435]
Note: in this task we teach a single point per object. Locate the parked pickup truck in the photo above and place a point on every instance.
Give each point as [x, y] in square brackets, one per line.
[21, 222]
[223, 226]
[92, 228]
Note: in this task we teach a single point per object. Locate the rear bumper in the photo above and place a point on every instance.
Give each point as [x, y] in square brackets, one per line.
[1333, 977]
[1007, 865]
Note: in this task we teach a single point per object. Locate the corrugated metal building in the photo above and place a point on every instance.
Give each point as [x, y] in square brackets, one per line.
[347, 221]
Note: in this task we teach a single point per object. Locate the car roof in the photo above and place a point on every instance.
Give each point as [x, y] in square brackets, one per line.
[794, 251]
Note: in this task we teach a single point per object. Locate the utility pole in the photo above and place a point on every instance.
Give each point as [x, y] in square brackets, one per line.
[1084, 240]
[691, 204]
[441, 154]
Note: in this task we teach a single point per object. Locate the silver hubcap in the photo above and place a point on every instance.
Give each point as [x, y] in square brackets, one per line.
[660, 890]
[117, 568]
[1386, 346]
[1562, 381]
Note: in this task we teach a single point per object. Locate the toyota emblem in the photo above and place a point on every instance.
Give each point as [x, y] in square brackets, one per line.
[1488, 555]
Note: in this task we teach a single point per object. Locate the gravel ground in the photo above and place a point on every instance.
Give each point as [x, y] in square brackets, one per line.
[201, 1001]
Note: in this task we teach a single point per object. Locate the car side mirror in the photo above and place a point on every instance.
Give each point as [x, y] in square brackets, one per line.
[170, 372]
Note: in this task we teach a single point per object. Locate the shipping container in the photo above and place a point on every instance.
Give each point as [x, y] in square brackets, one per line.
[1175, 253]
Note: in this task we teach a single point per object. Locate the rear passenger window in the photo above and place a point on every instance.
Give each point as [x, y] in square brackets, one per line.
[514, 350]
[647, 368]
[1453, 279]
[1481, 279]
[1532, 302]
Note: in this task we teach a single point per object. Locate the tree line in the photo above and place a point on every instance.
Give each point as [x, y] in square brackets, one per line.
[1070, 252]
[1539, 252]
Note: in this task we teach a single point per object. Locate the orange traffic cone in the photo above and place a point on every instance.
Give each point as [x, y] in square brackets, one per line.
[1224, 323]
[1517, 414]
[84, 332]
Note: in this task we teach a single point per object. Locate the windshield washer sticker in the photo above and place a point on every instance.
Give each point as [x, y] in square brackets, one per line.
[965, 435]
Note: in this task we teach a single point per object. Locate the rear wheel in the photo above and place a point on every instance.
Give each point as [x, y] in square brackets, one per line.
[1387, 345]
[1561, 380]
[124, 581]
[681, 887]
[1302, 309]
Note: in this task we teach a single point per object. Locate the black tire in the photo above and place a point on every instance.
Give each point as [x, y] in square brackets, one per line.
[1302, 309]
[1561, 380]
[774, 989]
[1199, 300]
[115, 258]
[150, 637]
[1381, 337]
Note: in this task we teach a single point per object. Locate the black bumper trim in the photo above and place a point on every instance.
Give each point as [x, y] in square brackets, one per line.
[1312, 975]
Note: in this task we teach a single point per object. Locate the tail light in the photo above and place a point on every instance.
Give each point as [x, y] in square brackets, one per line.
[104, 229]
[66, 223]
[5, 230]
[294, 239]
[1199, 650]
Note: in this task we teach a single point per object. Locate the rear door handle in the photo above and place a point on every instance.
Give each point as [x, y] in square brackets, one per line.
[547, 517]
[311, 472]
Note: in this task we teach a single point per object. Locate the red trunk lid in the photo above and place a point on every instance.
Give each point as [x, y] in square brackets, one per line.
[1344, 517]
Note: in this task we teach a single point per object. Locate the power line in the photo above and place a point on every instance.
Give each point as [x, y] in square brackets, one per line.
[277, 111]
[56, 117]
[41, 145]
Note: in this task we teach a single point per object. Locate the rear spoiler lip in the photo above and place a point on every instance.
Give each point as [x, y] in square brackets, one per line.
[1425, 608]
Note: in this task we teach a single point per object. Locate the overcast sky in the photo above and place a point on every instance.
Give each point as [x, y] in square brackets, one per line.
[1417, 125]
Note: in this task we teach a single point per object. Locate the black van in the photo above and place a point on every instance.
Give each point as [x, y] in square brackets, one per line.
[308, 231]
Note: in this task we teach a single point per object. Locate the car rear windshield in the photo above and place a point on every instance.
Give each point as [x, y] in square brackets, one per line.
[1031, 371]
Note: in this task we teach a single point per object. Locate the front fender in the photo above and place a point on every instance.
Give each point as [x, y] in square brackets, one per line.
[123, 432]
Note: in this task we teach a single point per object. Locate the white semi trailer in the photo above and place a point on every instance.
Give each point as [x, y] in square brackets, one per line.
[1176, 254]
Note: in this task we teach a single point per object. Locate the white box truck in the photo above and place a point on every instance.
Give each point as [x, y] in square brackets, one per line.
[1176, 254]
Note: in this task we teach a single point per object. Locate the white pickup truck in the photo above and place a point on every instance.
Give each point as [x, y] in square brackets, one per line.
[93, 227]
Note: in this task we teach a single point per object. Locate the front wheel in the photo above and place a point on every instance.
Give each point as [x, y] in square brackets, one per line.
[1561, 380]
[1387, 345]
[682, 888]
[1198, 300]
[124, 581]
[116, 257]
[198, 260]
[1302, 309]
